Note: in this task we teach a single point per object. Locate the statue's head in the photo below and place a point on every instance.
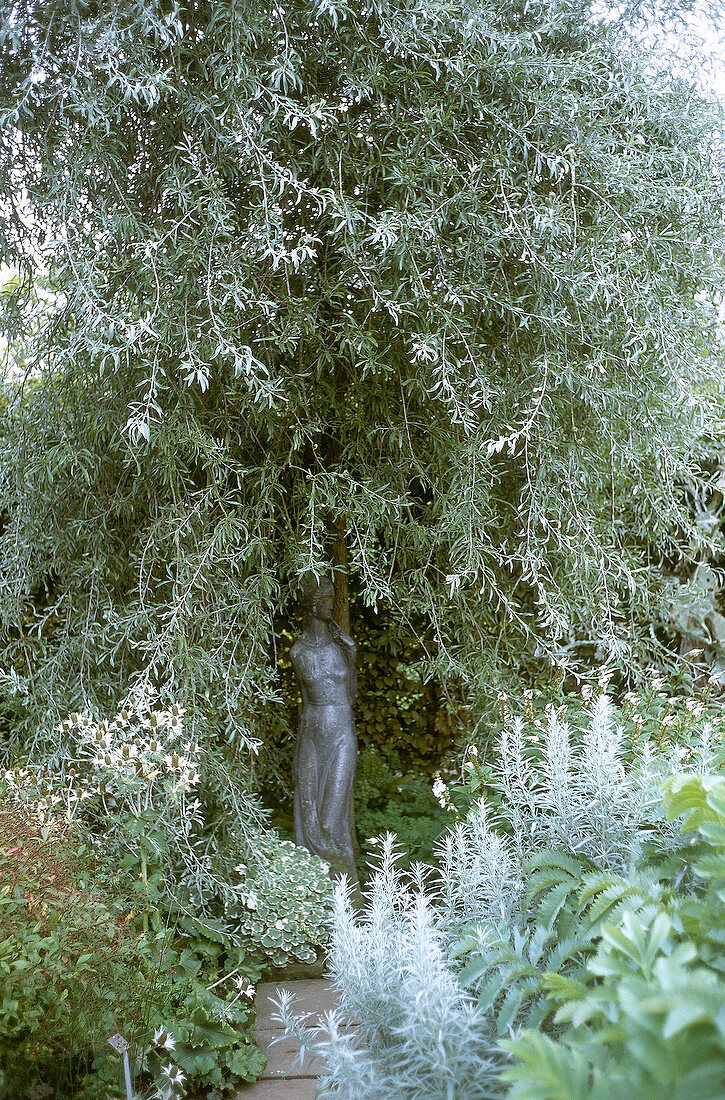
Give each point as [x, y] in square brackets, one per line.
[317, 597]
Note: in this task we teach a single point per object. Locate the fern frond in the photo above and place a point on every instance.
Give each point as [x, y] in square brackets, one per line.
[564, 987]
[545, 880]
[595, 882]
[574, 947]
[497, 957]
[552, 904]
[547, 1071]
[554, 857]
[609, 897]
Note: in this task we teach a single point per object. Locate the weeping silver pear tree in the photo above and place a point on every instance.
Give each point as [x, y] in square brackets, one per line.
[424, 289]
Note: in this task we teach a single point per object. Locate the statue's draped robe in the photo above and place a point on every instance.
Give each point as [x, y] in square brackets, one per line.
[324, 764]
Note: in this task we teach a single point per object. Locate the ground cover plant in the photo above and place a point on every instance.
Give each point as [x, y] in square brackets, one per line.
[569, 941]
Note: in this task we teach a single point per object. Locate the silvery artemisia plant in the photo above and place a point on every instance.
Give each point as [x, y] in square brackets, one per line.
[480, 876]
[579, 797]
[443, 963]
[420, 1033]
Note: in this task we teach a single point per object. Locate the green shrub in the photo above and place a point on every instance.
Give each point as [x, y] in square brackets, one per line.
[648, 1015]
[210, 896]
[67, 957]
[288, 903]
[199, 1013]
[390, 799]
[74, 969]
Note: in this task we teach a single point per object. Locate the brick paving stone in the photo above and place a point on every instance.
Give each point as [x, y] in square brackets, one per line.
[312, 997]
[294, 1088]
[281, 1050]
[316, 996]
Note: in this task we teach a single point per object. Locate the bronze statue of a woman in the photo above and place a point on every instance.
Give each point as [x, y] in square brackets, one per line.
[323, 658]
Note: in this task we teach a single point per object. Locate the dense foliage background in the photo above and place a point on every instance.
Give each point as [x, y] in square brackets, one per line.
[426, 290]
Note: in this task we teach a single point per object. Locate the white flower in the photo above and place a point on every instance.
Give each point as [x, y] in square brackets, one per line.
[439, 790]
[174, 1074]
[164, 1039]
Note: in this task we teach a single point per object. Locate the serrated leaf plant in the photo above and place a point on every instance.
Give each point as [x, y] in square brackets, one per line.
[647, 1016]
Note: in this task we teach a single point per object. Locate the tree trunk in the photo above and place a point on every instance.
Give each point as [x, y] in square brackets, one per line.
[341, 611]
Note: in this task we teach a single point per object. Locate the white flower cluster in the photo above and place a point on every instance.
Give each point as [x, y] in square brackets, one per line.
[50, 796]
[137, 747]
[138, 755]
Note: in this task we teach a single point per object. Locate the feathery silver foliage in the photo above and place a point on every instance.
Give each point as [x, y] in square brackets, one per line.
[422, 1034]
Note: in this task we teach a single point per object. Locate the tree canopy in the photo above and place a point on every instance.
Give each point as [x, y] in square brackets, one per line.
[422, 288]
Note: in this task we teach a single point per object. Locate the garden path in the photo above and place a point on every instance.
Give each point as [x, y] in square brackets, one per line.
[315, 996]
